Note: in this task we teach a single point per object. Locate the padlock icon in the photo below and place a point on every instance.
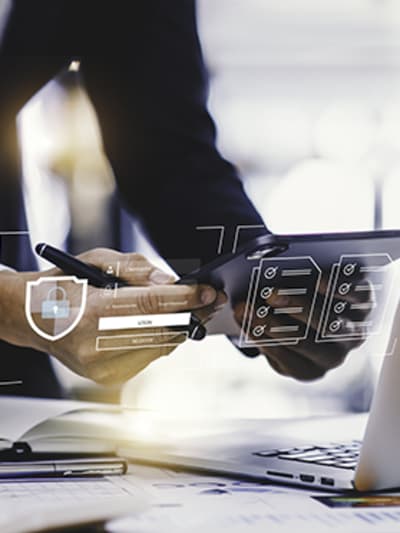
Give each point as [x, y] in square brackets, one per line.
[53, 308]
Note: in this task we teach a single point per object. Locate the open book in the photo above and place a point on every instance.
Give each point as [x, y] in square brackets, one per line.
[30, 425]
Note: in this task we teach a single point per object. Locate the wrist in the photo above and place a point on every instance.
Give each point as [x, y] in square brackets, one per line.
[14, 326]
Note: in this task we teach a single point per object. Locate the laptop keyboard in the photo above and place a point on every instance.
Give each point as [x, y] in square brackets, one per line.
[334, 454]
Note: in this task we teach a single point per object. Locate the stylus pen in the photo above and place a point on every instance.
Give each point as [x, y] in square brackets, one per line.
[96, 277]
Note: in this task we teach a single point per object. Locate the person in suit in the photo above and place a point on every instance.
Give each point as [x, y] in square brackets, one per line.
[142, 67]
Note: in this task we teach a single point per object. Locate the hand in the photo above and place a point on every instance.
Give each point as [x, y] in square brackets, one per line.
[152, 292]
[306, 360]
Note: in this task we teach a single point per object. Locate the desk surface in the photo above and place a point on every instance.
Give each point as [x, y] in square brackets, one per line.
[178, 501]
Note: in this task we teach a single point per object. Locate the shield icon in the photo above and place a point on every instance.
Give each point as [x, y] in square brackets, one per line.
[55, 305]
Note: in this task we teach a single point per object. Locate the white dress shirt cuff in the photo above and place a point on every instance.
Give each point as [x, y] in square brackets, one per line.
[4, 267]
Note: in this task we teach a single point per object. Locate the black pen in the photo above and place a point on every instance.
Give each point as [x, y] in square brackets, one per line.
[97, 278]
[75, 267]
[64, 468]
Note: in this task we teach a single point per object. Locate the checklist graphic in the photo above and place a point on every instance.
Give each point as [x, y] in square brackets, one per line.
[280, 301]
[358, 287]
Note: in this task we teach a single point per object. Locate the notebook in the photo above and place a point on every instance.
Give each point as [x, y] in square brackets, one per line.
[32, 426]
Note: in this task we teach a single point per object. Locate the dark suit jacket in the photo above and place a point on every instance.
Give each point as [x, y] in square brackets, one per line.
[144, 72]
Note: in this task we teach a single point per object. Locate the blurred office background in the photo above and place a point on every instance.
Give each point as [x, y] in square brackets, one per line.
[306, 97]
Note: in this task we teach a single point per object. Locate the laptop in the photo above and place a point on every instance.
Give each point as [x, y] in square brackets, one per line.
[334, 453]
[331, 453]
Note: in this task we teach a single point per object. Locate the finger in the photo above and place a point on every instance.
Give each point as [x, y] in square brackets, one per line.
[361, 304]
[206, 313]
[326, 356]
[292, 364]
[297, 307]
[359, 288]
[280, 304]
[356, 304]
[134, 268]
[138, 270]
[276, 365]
[161, 299]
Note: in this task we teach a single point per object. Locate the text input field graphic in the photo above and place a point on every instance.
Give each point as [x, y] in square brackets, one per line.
[143, 321]
[143, 340]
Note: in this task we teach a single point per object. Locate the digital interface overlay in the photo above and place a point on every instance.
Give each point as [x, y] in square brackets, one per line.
[345, 302]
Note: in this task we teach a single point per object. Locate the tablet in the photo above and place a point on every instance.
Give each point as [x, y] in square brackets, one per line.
[334, 286]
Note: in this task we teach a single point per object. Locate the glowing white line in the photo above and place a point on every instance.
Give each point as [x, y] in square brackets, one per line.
[291, 292]
[14, 232]
[297, 272]
[143, 321]
[366, 305]
[373, 268]
[288, 310]
[238, 229]
[279, 329]
[221, 237]
[376, 287]
[364, 323]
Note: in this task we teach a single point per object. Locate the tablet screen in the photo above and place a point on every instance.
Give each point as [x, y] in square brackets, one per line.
[288, 289]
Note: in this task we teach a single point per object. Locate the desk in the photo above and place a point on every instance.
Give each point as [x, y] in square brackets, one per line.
[193, 503]
[190, 502]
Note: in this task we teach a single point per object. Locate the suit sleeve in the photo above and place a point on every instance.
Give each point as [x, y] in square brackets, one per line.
[177, 181]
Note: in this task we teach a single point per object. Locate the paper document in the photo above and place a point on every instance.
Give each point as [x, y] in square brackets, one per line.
[158, 500]
[29, 506]
[198, 503]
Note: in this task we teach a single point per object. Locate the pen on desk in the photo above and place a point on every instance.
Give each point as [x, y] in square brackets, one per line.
[96, 277]
[63, 468]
